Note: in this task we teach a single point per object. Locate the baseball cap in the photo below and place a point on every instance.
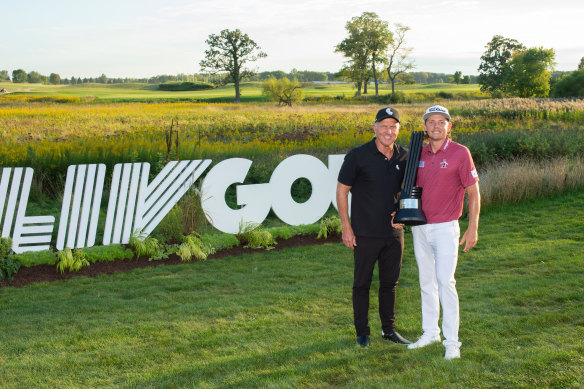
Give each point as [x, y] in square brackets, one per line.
[437, 110]
[387, 113]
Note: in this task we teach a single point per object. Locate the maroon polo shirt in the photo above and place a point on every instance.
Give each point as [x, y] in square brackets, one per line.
[444, 176]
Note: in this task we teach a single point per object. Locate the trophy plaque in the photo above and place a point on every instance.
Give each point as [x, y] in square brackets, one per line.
[410, 204]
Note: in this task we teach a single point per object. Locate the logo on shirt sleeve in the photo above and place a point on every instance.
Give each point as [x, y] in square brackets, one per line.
[421, 164]
[474, 173]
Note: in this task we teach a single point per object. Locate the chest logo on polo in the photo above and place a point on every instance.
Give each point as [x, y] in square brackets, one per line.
[421, 164]
[397, 167]
[443, 164]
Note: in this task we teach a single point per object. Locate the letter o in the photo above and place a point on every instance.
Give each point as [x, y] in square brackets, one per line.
[288, 171]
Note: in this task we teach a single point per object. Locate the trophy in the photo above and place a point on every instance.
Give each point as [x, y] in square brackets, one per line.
[410, 204]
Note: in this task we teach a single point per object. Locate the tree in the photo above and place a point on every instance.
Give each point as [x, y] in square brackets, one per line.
[34, 77]
[368, 38]
[229, 52]
[457, 77]
[4, 75]
[54, 79]
[398, 56]
[571, 85]
[101, 79]
[466, 80]
[581, 64]
[283, 90]
[494, 64]
[406, 78]
[529, 72]
[18, 76]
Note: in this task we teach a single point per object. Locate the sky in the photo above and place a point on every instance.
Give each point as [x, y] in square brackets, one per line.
[127, 38]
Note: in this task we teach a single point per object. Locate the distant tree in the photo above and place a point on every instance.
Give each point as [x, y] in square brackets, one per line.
[307, 75]
[34, 77]
[283, 91]
[581, 64]
[466, 80]
[277, 74]
[571, 85]
[4, 75]
[457, 77]
[530, 72]
[54, 79]
[398, 60]
[229, 52]
[368, 38]
[406, 78]
[420, 77]
[101, 79]
[494, 64]
[18, 76]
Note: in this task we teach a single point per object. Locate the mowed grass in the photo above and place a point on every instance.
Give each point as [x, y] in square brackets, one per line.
[284, 319]
[249, 90]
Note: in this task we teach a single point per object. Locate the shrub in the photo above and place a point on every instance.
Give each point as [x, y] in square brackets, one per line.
[185, 86]
[284, 91]
[107, 253]
[31, 258]
[571, 85]
[193, 215]
[220, 241]
[252, 235]
[71, 260]
[5, 247]
[146, 246]
[329, 225]
[170, 229]
[8, 267]
[193, 246]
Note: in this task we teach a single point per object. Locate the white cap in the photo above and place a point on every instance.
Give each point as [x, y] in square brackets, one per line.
[437, 110]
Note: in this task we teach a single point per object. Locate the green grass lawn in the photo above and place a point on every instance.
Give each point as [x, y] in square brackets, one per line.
[251, 91]
[284, 319]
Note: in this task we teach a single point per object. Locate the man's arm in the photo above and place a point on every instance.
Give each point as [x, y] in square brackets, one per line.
[343, 206]
[471, 235]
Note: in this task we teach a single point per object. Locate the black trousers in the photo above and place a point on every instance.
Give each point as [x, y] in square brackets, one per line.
[387, 252]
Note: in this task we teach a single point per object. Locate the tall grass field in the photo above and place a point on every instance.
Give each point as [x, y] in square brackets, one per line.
[284, 319]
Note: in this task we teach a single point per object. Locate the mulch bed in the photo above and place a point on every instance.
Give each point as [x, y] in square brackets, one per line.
[48, 273]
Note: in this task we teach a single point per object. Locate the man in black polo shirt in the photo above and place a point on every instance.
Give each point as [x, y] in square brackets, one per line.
[373, 173]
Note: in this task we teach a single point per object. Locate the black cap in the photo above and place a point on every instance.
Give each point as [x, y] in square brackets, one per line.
[387, 113]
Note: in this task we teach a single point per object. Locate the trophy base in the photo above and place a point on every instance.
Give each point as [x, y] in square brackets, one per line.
[410, 217]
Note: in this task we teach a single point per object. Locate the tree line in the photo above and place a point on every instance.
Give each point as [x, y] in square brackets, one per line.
[374, 53]
[21, 76]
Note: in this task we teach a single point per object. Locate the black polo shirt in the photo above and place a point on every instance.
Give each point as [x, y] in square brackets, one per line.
[375, 185]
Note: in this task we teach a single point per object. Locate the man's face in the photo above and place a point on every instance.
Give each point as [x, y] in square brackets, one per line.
[386, 131]
[437, 127]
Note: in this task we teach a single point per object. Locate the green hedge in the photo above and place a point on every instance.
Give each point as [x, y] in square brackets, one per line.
[185, 86]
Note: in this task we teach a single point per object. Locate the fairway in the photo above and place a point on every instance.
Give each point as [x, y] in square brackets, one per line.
[284, 319]
[251, 91]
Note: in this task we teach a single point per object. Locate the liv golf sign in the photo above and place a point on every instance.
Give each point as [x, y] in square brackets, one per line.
[135, 204]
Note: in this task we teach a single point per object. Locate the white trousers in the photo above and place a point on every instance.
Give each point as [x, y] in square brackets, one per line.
[436, 250]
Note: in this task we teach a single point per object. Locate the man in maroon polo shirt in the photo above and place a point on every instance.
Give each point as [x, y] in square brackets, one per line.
[373, 174]
[445, 172]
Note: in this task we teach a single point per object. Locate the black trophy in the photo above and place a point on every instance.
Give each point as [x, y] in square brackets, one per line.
[410, 204]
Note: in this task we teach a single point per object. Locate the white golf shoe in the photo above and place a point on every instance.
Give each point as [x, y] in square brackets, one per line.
[425, 340]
